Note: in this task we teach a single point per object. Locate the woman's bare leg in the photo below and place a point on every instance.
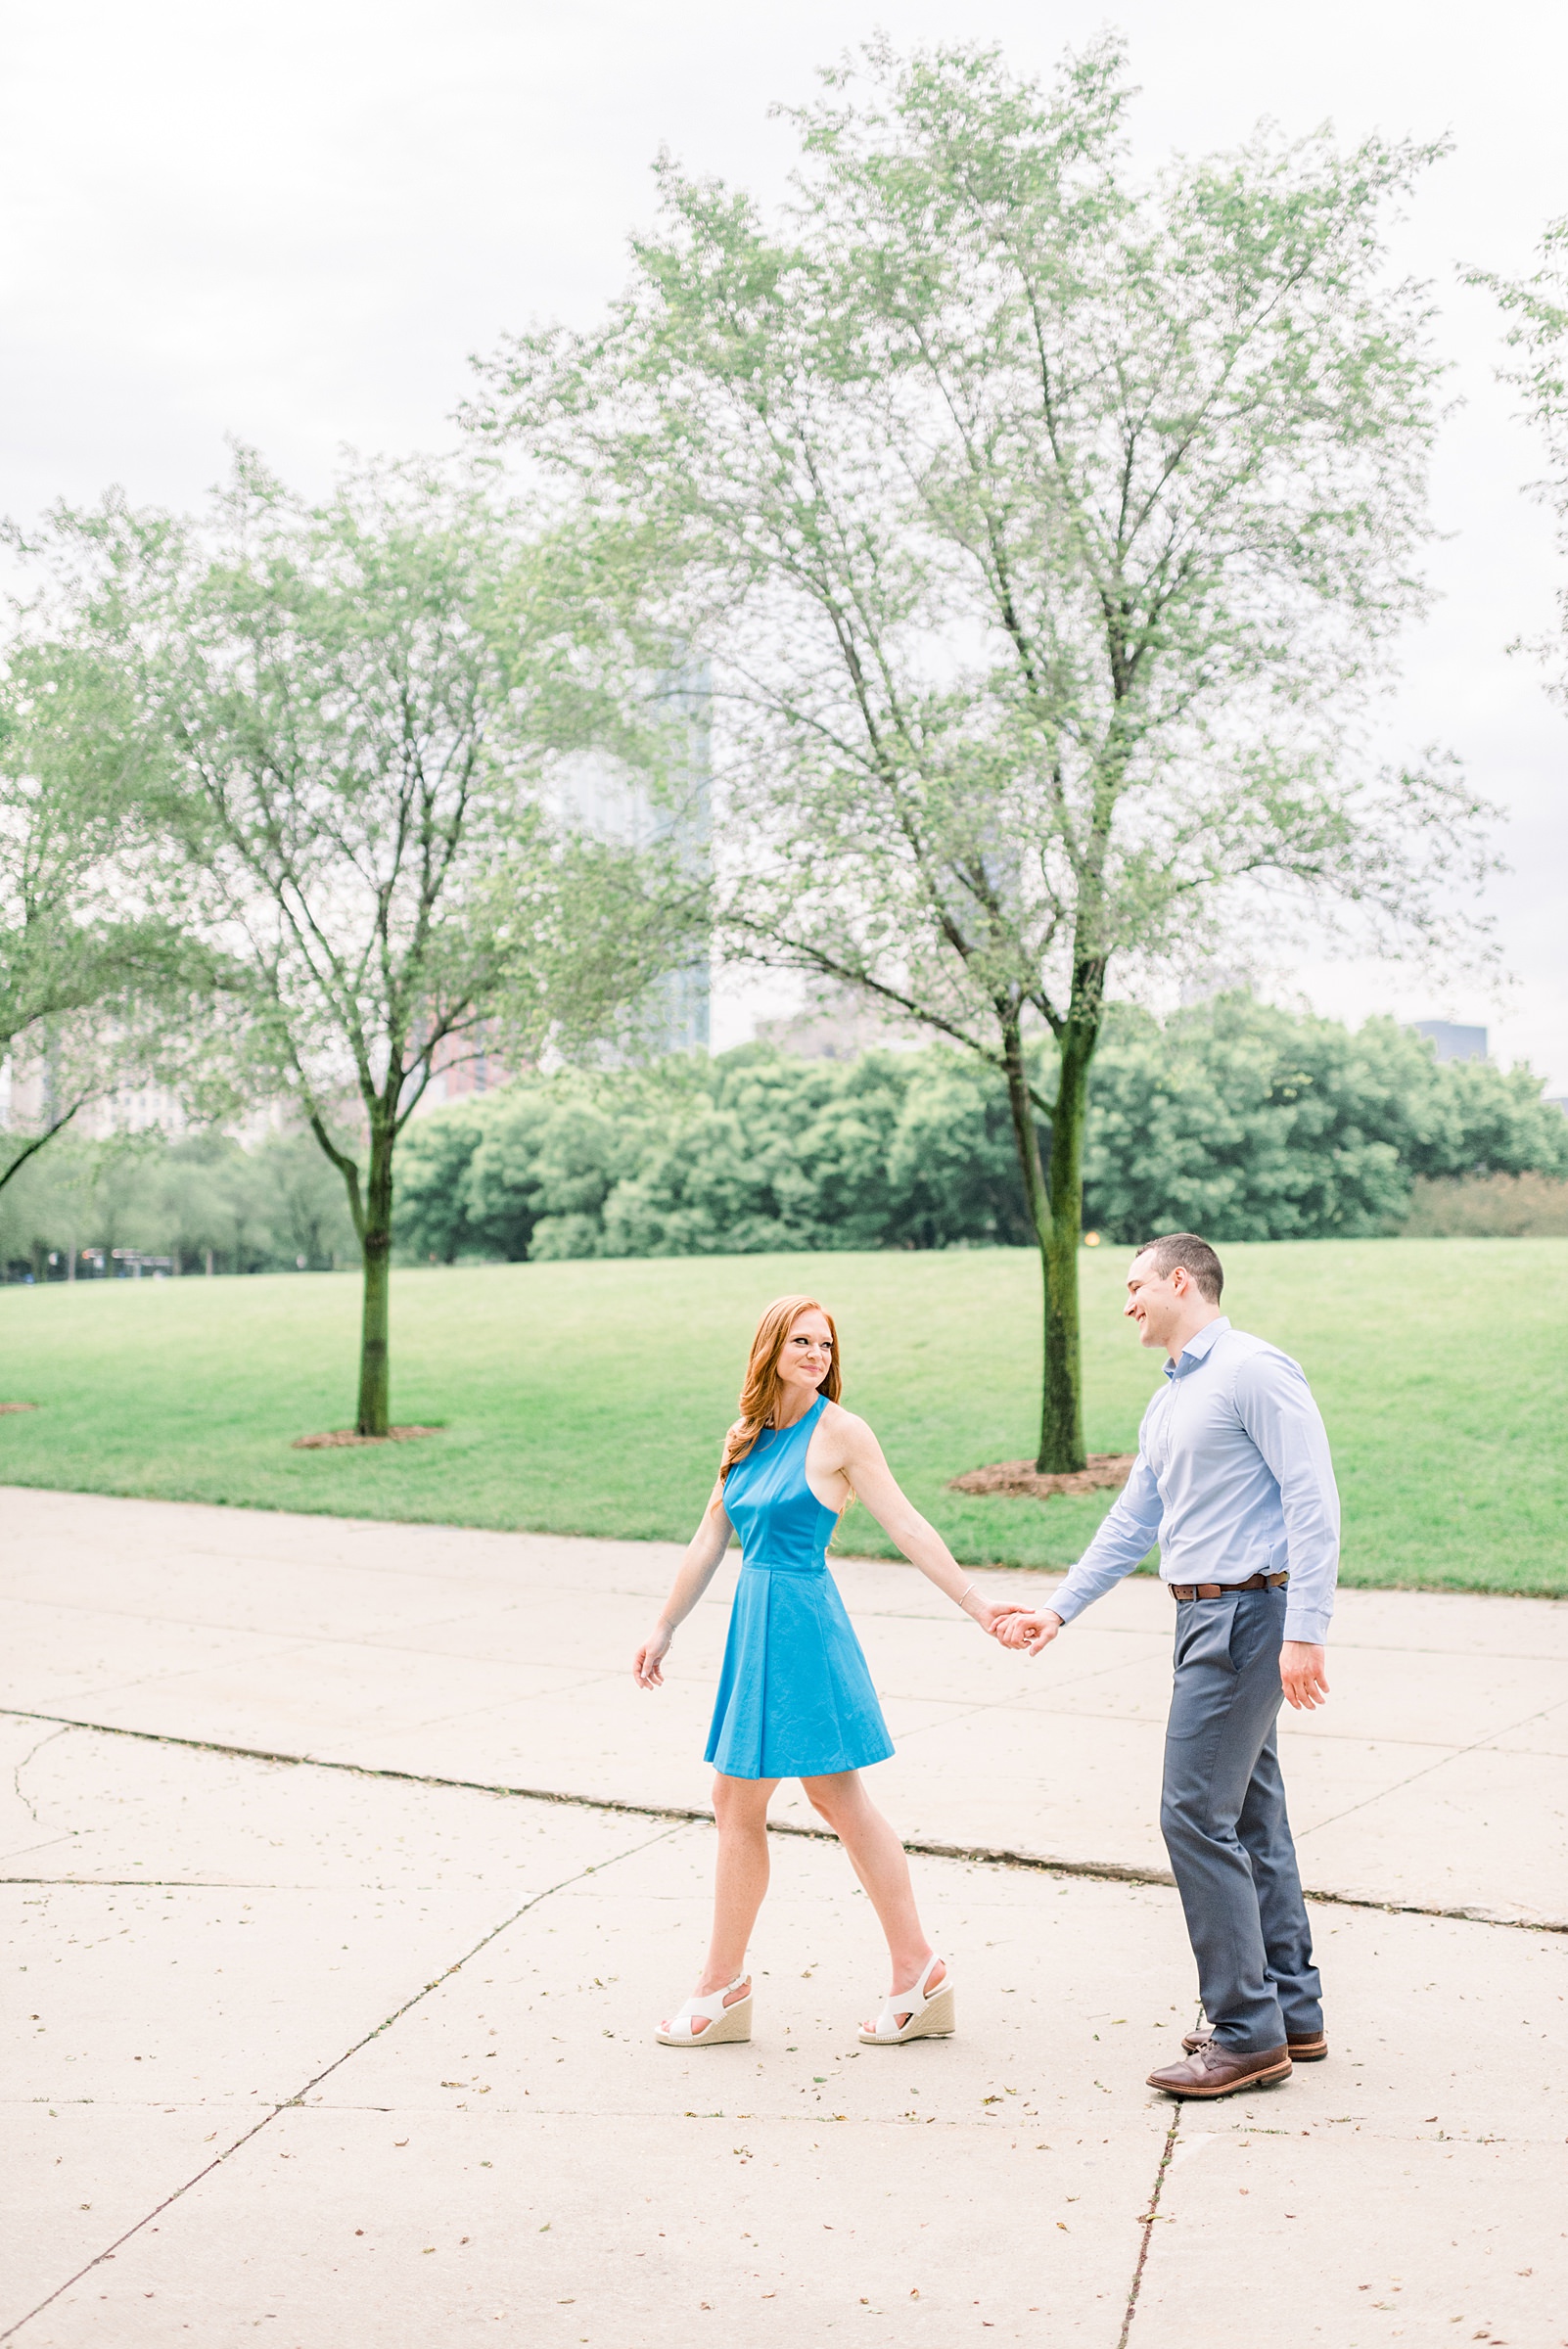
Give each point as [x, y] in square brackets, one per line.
[882, 1864]
[740, 1880]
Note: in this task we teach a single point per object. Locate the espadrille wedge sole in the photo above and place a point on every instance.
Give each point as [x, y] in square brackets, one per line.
[931, 2015]
[721, 2025]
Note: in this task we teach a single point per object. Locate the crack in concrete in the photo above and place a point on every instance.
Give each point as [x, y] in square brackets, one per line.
[16, 1776]
[1110, 1872]
[1149, 2220]
[48, 1844]
[290, 2103]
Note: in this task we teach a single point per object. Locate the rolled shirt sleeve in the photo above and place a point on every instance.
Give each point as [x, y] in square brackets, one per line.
[1127, 1532]
[1277, 1410]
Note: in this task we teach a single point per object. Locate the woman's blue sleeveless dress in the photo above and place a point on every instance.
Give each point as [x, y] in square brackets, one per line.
[794, 1697]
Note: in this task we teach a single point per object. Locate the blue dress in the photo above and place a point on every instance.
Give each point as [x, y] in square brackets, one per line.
[794, 1697]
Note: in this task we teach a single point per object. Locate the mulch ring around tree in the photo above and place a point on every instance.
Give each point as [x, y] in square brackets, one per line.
[339, 1438]
[1105, 1471]
[17, 1406]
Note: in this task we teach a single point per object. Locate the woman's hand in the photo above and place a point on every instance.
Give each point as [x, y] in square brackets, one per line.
[1030, 1628]
[650, 1656]
[991, 1615]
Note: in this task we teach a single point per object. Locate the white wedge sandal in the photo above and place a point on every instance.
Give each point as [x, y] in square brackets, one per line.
[724, 2024]
[930, 2014]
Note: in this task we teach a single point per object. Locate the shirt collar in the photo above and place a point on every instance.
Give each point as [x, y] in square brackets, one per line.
[1197, 1349]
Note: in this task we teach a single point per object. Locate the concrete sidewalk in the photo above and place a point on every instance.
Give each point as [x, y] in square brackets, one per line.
[344, 2058]
[1438, 1776]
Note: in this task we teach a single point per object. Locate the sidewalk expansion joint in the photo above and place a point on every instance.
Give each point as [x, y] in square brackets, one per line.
[1455, 1753]
[296, 2100]
[1111, 1871]
[193, 1884]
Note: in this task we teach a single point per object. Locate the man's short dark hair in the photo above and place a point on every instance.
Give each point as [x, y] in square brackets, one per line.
[1194, 1256]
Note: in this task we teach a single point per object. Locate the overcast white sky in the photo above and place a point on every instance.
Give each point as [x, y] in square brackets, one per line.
[292, 224]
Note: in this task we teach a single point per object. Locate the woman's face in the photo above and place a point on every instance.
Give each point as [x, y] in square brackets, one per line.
[807, 1350]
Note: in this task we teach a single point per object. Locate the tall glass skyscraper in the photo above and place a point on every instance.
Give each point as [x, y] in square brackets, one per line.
[605, 797]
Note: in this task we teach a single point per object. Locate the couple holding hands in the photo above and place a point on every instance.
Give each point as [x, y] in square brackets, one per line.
[1234, 1482]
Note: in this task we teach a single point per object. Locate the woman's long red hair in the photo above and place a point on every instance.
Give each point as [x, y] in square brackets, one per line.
[762, 1390]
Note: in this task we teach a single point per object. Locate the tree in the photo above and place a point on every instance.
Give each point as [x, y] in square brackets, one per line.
[89, 971]
[347, 717]
[1045, 532]
[1247, 1122]
[1537, 309]
[748, 1151]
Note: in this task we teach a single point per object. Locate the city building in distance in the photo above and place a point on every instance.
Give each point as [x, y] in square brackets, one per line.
[1453, 1042]
[600, 795]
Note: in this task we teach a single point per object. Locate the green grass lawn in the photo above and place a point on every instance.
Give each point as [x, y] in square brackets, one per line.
[591, 1397]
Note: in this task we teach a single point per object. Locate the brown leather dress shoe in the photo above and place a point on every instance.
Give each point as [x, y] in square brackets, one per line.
[1211, 2071]
[1309, 2049]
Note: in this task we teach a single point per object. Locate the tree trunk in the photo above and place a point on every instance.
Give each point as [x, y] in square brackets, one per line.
[375, 1239]
[1056, 1214]
[1061, 1422]
[1061, 1435]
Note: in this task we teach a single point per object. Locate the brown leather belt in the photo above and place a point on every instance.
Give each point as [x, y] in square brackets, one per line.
[1253, 1581]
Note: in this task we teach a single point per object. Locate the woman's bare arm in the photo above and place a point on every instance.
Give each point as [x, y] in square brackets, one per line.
[695, 1572]
[857, 1456]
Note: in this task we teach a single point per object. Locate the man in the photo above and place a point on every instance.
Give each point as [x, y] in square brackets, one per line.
[1234, 1480]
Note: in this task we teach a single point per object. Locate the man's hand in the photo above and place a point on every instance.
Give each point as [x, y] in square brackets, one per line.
[1030, 1631]
[1303, 1675]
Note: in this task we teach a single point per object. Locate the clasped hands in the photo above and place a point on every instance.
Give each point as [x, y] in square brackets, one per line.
[1013, 1626]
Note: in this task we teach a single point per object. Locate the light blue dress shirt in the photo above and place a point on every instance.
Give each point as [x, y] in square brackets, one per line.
[1232, 1479]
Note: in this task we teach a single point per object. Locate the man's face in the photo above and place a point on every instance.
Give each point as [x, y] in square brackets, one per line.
[1156, 1301]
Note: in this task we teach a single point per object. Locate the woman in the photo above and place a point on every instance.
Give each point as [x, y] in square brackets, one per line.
[795, 1698]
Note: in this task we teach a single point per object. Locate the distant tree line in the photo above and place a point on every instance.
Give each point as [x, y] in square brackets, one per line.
[1241, 1120]
[1232, 1118]
[199, 1204]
